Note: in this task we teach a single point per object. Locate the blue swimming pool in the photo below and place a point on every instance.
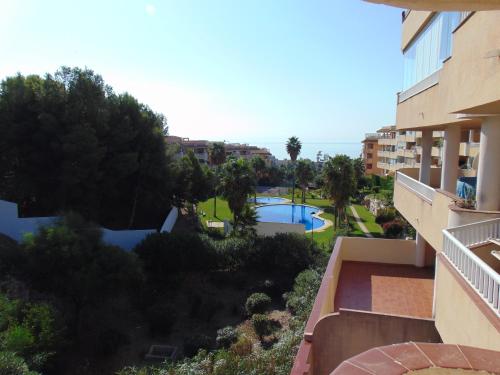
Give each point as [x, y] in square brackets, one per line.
[290, 214]
[267, 200]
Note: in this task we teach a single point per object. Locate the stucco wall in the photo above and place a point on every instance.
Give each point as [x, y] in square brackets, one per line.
[428, 219]
[378, 250]
[342, 335]
[461, 316]
[270, 229]
[412, 25]
[15, 227]
[468, 81]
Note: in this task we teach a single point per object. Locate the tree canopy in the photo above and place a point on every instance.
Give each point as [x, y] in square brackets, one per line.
[68, 142]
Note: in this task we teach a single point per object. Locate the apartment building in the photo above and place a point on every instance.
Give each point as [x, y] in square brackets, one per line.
[370, 154]
[391, 306]
[201, 149]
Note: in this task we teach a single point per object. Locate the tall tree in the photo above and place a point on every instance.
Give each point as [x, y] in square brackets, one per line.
[237, 183]
[305, 174]
[293, 147]
[338, 174]
[259, 169]
[217, 154]
[359, 171]
[68, 142]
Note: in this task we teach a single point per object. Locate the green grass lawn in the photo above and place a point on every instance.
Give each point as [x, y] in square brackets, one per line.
[207, 207]
[369, 220]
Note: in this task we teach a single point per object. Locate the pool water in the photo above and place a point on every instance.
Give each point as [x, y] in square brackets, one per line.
[290, 214]
[267, 200]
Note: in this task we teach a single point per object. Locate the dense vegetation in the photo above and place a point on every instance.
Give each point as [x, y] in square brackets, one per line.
[67, 141]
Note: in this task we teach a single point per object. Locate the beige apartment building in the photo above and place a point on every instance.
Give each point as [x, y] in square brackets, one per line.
[391, 306]
[201, 149]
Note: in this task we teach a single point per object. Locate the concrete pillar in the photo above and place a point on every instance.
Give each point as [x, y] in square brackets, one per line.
[425, 159]
[420, 251]
[488, 172]
[449, 171]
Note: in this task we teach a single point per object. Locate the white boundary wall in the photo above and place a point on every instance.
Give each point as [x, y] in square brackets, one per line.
[270, 229]
[15, 227]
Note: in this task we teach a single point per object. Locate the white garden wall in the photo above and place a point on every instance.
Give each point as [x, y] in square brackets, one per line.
[15, 227]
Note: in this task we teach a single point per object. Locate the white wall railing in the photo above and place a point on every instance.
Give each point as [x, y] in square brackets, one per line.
[481, 277]
[417, 187]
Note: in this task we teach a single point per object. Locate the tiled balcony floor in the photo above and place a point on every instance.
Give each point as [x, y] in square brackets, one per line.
[385, 288]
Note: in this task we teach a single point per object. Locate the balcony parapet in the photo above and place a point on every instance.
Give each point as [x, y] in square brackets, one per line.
[479, 275]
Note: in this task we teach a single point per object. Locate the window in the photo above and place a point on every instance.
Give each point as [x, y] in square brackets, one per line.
[368, 166]
[370, 146]
[369, 155]
[431, 47]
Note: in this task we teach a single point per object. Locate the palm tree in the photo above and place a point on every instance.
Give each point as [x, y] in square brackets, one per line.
[259, 167]
[293, 147]
[237, 183]
[217, 155]
[338, 174]
[305, 174]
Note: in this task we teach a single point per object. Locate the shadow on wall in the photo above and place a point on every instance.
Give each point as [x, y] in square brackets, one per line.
[15, 227]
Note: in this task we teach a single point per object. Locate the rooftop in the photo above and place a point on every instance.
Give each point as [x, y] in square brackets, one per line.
[385, 288]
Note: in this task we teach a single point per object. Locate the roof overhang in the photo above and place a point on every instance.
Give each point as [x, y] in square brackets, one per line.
[442, 5]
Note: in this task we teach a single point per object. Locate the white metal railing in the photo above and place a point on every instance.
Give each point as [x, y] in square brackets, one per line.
[481, 277]
[417, 187]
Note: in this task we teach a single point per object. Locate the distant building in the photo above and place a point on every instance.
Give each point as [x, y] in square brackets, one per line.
[370, 154]
[201, 149]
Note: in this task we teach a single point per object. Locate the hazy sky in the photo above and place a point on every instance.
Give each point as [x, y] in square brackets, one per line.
[243, 71]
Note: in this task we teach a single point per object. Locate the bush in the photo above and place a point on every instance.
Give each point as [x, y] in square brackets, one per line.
[261, 324]
[306, 286]
[257, 303]
[393, 229]
[385, 215]
[196, 342]
[226, 337]
[11, 364]
[167, 254]
[242, 347]
[161, 318]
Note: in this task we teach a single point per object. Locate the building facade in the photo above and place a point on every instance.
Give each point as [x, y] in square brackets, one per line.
[201, 149]
[445, 285]
[370, 154]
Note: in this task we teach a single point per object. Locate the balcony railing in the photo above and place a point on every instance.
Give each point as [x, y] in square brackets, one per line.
[481, 277]
[417, 187]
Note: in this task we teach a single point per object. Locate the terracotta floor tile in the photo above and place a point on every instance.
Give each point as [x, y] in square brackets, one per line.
[377, 362]
[487, 360]
[408, 355]
[444, 355]
[386, 288]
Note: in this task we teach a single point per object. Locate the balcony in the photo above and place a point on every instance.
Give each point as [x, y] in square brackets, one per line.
[468, 285]
[371, 294]
[479, 267]
[387, 141]
[425, 207]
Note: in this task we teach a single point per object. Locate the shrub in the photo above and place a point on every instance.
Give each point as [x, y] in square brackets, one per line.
[393, 229]
[257, 303]
[17, 339]
[161, 318]
[261, 324]
[385, 215]
[306, 286]
[226, 337]
[242, 347]
[196, 342]
[11, 364]
[167, 254]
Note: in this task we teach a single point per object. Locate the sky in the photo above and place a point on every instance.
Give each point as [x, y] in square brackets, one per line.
[243, 71]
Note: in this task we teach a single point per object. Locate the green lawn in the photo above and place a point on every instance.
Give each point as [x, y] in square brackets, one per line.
[207, 207]
[369, 220]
